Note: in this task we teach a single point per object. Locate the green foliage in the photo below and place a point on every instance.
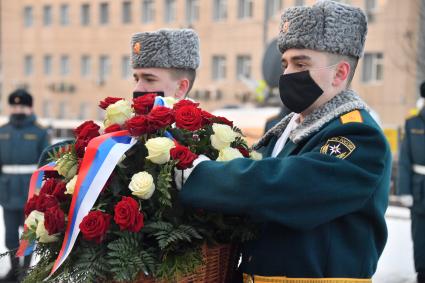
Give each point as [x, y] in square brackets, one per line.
[163, 186]
[179, 265]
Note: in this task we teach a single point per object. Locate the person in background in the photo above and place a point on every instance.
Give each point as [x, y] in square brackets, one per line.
[411, 182]
[22, 141]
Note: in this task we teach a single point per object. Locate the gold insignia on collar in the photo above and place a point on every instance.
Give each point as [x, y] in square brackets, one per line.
[352, 117]
[339, 147]
[136, 47]
[17, 100]
[285, 27]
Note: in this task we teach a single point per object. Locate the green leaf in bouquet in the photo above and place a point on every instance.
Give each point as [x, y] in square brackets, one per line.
[163, 186]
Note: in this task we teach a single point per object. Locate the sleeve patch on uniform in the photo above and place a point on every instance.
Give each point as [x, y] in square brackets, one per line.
[352, 117]
[339, 147]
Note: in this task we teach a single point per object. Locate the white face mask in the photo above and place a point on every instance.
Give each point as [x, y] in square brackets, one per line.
[420, 103]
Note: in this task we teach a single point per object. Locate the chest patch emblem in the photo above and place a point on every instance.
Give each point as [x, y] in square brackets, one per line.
[30, 137]
[339, 147]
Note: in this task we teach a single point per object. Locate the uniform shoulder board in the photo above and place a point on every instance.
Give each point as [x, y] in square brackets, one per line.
[352, 117]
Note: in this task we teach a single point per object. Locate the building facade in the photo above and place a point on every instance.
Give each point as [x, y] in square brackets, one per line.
[71, 54]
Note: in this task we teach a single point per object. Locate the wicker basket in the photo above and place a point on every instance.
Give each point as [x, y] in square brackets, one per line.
[218, 267]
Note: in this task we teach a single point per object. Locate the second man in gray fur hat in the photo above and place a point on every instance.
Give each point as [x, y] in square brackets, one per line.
[165, 61]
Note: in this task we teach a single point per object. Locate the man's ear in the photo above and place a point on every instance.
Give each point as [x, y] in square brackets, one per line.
[342, 73]
[182, 88]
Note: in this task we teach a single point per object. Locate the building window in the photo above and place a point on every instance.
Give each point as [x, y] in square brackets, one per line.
[28, 16]
[47, 65]
[243, 66]
[47, 108]
[28, 65]
[104, 69]
[47, 15]
[218, 68]
[148, 11]
[85, 66]
[370, 9]
[64, 65]
[125, 67]
[372, 67]
[85, 15]
[299, 3]
[126, 12]
[104, 14]
[170, 11]
[84, 111]
[64, 15]
[245, 8]
[273, 7]
[63, 110]
[220, 10]
[192, 11]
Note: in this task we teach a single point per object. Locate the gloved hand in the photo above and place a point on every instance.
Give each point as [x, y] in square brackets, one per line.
[180, 176]
[406, 200]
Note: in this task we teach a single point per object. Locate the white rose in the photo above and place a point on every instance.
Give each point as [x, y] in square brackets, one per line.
[255, 155]
[42, 234]
[142, 185]
[33, 219]
[70, 186]
[223, 136]
[159, 149]
[118, 113]
[228, 154]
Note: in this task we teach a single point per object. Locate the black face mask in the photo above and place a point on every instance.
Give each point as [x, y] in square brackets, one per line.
[298, 91]
[18, 116]
[141, 93]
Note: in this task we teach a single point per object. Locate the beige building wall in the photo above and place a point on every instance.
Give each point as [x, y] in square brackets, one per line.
[391, 97]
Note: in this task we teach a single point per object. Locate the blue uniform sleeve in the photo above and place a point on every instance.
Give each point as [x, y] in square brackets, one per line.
[300, 191]
[404, 165]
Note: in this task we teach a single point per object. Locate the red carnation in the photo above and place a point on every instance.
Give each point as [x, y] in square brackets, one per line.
[160, 117]
[113, 128]
[108, 101]
[54, 220]
[143, 104]
[243, 151]
[80, 147]
[188, 117]
[127, 215]
[45, 202]
[87, 131]
[48, 187]
[222, 120]
[184, 156]
[31, 205]
[95, 225]
[185, 102]
[138, 125]
[59, 192]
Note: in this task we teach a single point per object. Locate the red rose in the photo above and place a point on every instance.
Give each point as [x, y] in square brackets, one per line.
[222, 120]
[59, 192]
[87, 131]
[48, 187]
[45, 202]
[188, 117]
[31, 205]
[80, 147]
[108, 101]
[143, 104]
[183, 155]
[127, 215]
[138, 125]
[54, 220]
[160, 117]
[185, 102]
[95, 225]
[206, 118]
[243, 151]
[113, 128]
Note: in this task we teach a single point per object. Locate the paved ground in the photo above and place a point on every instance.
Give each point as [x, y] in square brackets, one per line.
[395, 265]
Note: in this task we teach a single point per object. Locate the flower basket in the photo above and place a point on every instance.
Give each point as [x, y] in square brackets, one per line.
[219, 263]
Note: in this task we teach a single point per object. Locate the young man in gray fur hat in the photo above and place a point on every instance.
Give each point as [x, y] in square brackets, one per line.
[321, 190]
[165, 61]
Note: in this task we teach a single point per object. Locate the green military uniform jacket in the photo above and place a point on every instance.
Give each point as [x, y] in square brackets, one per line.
[321, 201]
[21, 143]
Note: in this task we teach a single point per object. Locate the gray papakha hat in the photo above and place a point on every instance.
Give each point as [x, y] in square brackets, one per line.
[165, 48]
[326, 26]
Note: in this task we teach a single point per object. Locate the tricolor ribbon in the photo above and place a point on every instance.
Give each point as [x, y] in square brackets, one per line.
[25, 247]
[101, 156]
